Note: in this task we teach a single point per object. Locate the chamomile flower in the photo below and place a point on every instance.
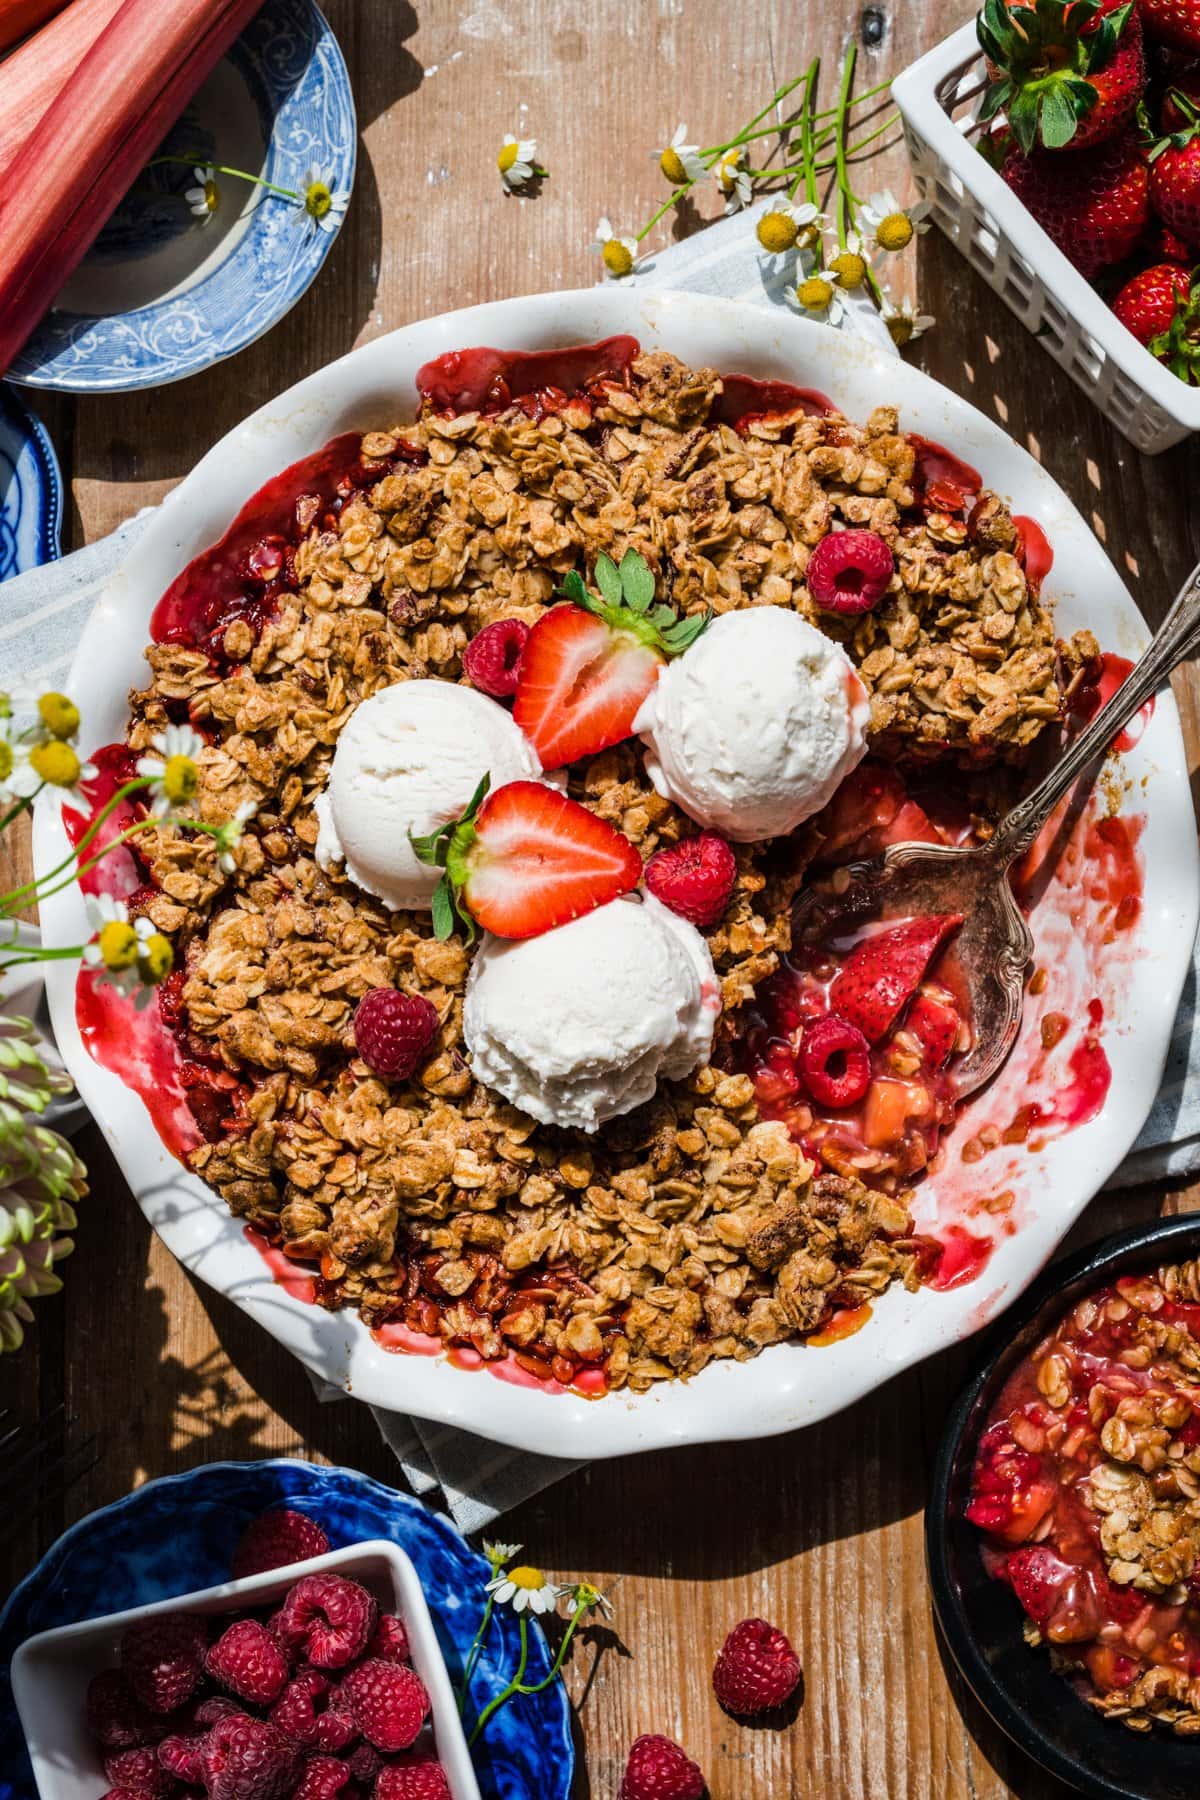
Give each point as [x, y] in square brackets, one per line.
[58, 715]
[889, 225]
[680, 161]
[584, 1596]
[228, 836]
[126, 955]
[16, 779]
[320, 204]
[618, 254]
[517, 162]
[50, 762]
[205, 197]
[734, 178]
[173, 770]
[820, 297]
[500, 1554]
[525, 1590]
[848, 266]
[903, 321]
[785, 228]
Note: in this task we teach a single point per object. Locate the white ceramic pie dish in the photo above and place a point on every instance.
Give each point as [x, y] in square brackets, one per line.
[789, 1385]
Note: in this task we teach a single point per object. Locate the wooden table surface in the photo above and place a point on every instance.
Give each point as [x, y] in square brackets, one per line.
[820, 1532]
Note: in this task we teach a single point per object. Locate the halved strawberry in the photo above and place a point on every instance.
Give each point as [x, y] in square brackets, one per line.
[883, 972]
[934, 1022]
[588, 666]
[523, 860]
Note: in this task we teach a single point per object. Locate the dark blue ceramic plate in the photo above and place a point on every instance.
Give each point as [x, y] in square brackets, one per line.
[177, 1535]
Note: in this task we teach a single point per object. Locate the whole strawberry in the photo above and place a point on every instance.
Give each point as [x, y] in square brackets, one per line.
[659, 1770]
[1146, 305]
[1175, 176]
[757, 1670]
[1067, 73]
[1095, 205]
[1183, 84]
[1178, 344]
[695, 878]
[1174, 22]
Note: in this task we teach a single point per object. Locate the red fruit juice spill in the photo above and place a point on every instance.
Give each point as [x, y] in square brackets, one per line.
[291, 1276]
[135, 1045]
[1034, 551]
[487, 381]
[1113, 673]
[942, 480]
[964, 1258]
[743, 401]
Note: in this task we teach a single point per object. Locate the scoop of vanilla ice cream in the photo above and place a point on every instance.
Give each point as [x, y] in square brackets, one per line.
[409, 759]
[752, 729]
[581, 1023]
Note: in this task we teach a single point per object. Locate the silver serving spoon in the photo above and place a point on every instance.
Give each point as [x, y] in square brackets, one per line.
[994, 945]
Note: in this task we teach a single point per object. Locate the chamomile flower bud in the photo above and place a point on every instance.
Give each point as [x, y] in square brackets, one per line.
[777, 232]
[180, 780]
[156, 959]
[55, 763]
[59, 715]
[815, 293]
[680, 161]
[618, 254]
[118, 944]
[850, 269]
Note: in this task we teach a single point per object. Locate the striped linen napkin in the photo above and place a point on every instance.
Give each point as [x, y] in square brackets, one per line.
[42, 614]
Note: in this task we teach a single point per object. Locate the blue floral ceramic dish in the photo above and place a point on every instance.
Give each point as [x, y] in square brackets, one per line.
[31, 495]
[164, 293]
[177, 1535]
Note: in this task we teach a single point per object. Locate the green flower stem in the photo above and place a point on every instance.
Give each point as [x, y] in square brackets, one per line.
[38, 955]
[808, 148]
[829, 112]
[21, 806]
[844, 202]
[476, 1650]
[30, 889]
[514, 1686]
[44, 893]
[198, 162]
[540, 1686]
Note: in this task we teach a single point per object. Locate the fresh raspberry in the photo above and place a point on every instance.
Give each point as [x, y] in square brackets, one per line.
[215, 1708]
[849, 571]
[659, 1770]
[275, 1539]
[336, 1731]
[181, 1756]
[295, 1712]
[835, 1061]
[424, 1779]
[248, 1759]
[388, 1701]
[116, 1717]
[139, 1769]
[125, 1793]
[163, 1659]
[390, 1640]
[392, 1031]
[323, 1777]
[756, 1671]
[492, 660]
[332, 1619]
[248, 1662]
[694, 878]
[365, 1763]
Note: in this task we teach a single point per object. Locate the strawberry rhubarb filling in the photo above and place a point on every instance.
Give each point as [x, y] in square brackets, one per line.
[1085, 1490]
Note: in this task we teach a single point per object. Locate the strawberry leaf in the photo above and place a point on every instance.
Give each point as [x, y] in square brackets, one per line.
[1061, 109]
[608, 579]
[637, 581]
[443, 910]
[573, 589]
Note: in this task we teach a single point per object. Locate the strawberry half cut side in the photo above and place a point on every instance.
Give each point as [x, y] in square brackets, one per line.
[882, 973]
[523, 860]
[588, 665]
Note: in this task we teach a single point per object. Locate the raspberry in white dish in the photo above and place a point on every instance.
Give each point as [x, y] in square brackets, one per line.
[409, 760]
[752, 731]
[580, 1024]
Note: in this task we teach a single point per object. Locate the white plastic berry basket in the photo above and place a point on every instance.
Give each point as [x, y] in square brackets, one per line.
[939, 99]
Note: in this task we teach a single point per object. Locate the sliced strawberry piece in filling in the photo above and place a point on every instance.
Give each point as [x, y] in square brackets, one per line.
[881, 974]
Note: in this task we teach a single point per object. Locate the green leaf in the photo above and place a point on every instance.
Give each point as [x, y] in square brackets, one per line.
[637, 581]
[432, 848]
[476, 800]
[608, 578]
[1023, 114]
[443, 910]
[573, 589]
[1059, 119]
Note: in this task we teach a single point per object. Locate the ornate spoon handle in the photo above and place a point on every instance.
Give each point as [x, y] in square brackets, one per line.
[1175, 640]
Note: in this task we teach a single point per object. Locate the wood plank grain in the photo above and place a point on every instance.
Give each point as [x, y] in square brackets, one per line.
[819, 1531]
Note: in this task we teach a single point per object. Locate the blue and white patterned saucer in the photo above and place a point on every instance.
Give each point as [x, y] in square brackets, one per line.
[177, 1535]
[162, 294]
[31, 494]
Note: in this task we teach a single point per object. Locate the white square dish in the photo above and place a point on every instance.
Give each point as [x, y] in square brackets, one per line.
[51, 1672]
